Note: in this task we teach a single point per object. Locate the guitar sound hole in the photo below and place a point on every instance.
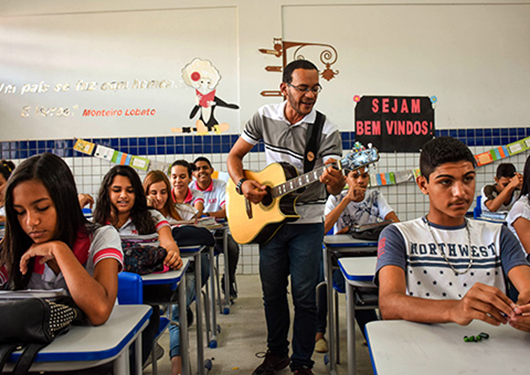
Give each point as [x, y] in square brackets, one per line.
[267, 199]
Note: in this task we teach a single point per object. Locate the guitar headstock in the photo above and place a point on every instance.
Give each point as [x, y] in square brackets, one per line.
[359, 157]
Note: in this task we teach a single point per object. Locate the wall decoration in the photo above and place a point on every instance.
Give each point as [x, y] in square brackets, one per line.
[376, 179]
[84, 146]
[497, 153]
[155, 165]
[327, 56]
[202, 76]
[118, 157]
[394, 123]
[103, 152]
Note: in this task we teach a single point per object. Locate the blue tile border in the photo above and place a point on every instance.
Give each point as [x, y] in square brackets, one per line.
[207, 144]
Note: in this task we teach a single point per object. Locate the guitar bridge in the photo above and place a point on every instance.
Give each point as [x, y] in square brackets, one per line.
[248, 208]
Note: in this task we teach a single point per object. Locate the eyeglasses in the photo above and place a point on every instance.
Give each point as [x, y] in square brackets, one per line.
[315, 89]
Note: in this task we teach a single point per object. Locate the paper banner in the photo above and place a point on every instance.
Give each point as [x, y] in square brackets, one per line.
[519, 146]
[159, 166]
[385, 178]
[380, 179]
[499, 153]
[484, 158]
[391, 178]
[84, 146]
[140, 163]
[404, 176]
[487, 157]
[103, 152]
[121, 158]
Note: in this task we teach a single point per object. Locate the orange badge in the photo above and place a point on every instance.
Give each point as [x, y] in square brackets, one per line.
[310, 156]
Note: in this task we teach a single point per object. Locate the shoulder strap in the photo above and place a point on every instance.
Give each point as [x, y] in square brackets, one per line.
[5, 352]
[313, 142]
[26, 358]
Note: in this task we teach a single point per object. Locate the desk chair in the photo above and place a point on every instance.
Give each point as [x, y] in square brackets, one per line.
[336, 290]
[364, 298]
[130, 292]
[477, 211]
[222, 234]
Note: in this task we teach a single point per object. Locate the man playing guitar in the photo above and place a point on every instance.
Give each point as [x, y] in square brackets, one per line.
[296, 248]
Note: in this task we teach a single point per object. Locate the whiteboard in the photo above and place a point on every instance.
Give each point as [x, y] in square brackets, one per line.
[55, 68]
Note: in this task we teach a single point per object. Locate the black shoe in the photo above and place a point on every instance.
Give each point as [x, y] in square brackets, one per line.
[233, 292]
[189, 317]
[271, 364]
[159, 353]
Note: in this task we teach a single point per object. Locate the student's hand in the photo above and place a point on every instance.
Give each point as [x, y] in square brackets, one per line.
[44, 250]
[355, 194]
[521, 320]
[483, 302]
[173, 260]
[344, 230]
[253, 191]
[85, 199]
[516, 182]
[333, 178]
[152, 202]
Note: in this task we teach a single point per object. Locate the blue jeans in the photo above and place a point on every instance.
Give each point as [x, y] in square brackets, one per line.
[294, 250]
[174, 332]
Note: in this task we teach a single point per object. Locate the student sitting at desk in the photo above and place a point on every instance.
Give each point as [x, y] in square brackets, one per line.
[6, 168]
[356, 206]
[214, 205]
[157, 188]
[121, 202]
[188, 202]
[518, 218]
[443, 267]
[49, 244]
[181, 177]
[502, 195]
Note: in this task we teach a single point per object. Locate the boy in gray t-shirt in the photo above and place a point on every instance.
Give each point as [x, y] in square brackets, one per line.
[443, 267]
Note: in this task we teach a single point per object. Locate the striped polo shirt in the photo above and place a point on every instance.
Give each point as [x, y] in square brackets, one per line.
[286, 142]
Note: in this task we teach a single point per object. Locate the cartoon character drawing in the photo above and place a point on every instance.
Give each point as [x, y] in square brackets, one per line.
[204, 78]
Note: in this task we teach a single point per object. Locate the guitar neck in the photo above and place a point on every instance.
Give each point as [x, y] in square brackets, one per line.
[301, 181]
[353, 161]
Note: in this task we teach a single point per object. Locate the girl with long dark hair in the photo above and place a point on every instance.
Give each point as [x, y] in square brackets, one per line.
[49, 244]
[122, 203]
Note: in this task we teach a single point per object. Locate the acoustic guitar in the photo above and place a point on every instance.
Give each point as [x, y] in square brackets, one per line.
[257, 223]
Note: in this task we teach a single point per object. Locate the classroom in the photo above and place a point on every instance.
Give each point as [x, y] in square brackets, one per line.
[102, 83]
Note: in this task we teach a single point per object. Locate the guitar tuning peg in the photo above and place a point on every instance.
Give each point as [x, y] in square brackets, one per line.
[358, 147]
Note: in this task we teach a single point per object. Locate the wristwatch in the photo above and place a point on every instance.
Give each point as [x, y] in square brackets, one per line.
[239, 185]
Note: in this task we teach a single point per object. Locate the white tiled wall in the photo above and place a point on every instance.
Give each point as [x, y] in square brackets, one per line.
[406, 199]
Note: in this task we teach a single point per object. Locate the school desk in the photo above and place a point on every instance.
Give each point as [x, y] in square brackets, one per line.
[336, 246]
[400, 347]
[88, 346]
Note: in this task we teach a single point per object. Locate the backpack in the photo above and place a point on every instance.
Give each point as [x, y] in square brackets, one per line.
[142, 254]
[32, 323]
[368, 231]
